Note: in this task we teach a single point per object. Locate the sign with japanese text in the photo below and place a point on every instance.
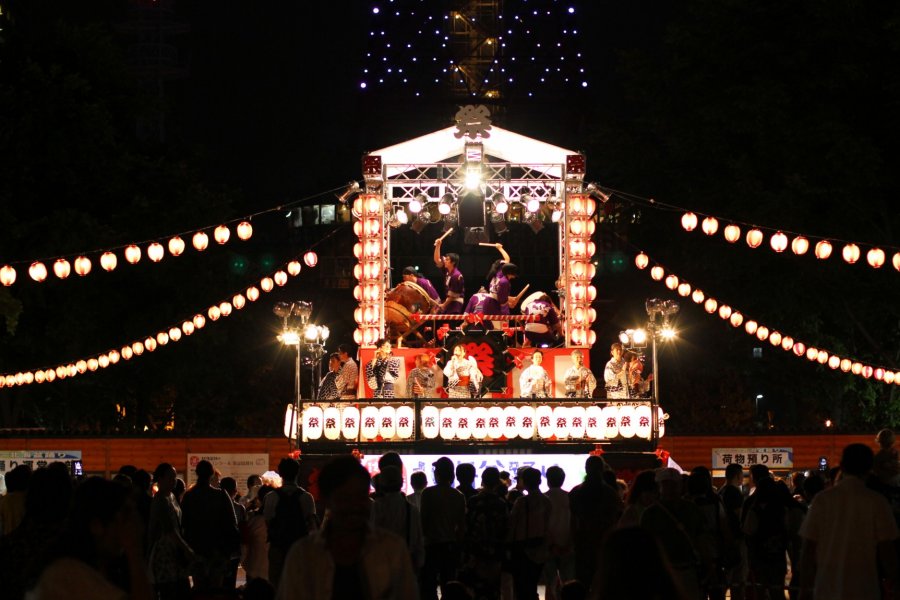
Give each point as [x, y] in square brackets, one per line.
[774, 458]
[10, 459]
[238, 466]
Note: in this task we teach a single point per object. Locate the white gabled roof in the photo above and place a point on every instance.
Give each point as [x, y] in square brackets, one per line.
[442, 145]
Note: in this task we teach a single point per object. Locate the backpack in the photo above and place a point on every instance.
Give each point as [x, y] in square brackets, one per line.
[289, 523]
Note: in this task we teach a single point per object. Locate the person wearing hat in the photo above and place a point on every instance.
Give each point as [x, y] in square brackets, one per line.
[544, 331]
[444, 526]
[579, 381]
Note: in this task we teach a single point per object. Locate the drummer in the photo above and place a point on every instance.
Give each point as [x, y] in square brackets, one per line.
[411, 275]
[544, 331]
[453, 280]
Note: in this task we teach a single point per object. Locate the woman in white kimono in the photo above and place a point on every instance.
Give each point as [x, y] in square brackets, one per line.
[463, 376]
[579, 381]
[534, 382]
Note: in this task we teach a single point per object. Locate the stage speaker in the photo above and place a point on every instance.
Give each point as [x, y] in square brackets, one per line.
[471, 209]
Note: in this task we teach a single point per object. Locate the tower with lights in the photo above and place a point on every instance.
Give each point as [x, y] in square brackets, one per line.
[476, 56]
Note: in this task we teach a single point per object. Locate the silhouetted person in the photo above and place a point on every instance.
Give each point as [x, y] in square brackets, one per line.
[443, 522]
[633, 565]
[12, 505]
[169, 553]
[290, 513]
[418, 481]
[465, 475]
[596, 508]
[487, 524]
[392, 511]
[229, 486]
[347, 558]
[210, 528]
[561, 565]
[529, 523]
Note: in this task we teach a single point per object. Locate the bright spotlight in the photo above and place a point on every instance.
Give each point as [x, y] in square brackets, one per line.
[402, 217]
[444, 206]
[667, 333]
[473, 178]
[416, 204]
[500, 203]
[624, 337]
[639, 336]
[531, 203]
[289, 338]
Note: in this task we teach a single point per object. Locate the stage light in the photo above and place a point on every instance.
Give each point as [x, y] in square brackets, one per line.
[596, 193]
[531, 203]
[402, 217]
[420, 222]
[556, 215]
[535, 223]
[500, 203]
[473, 178]
[349, 193]
[498, 222]
[416, 204]
[444, 206]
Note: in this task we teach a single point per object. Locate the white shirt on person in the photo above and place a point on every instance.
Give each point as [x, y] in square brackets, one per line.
[847, 522]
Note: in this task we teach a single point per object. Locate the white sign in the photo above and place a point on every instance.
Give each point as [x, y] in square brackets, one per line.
[572, 464]
[774, 458]
[10, 459]
[238, 466]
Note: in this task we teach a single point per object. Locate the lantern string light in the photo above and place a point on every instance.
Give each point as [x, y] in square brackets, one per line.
[241, 225]
[753, 327]
[165, 335]
[732, 229]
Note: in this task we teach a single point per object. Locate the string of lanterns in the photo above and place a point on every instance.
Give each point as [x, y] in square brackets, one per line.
[166, 335]
[780, 242]
[155, 250]
[762, 332]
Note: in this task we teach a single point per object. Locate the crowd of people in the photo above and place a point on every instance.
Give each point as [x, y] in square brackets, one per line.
[666, 534]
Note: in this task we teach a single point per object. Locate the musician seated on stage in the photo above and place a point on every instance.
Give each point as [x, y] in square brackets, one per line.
[411, 275]
[454, 283]
[546, 330]
[476, 306]
[499, 299]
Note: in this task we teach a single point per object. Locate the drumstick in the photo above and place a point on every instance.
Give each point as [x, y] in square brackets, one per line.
[446, 233]
[522, 293]
[489, 245]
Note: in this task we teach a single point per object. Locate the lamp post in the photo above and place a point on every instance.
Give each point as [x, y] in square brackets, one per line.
[309, 340]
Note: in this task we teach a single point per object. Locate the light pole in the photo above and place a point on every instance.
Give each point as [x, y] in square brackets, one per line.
[309, 340]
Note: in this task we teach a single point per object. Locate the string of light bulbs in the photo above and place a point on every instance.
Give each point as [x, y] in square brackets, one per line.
[165, 335]
[155, 249]
[779, 239]
[763, 333]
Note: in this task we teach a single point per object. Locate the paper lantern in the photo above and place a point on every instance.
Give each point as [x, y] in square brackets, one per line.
[495, 422]
[358, 228]
[37, 271]
[799, 348]
[132, 254]
[225, 308]
[850, 253]
[671, 282]
[822, 357]
[372, 227]
[313, 422]
[697, 296]
[561, 422]
[879, 373]
[358, 337]
[176, 246]
[509, 424]
[108, 261]
[610, 422]
[577, 227]
[754, 238]
[244, 230]
[799, 245]
[479, 423]
[252, 294]
[331, 423]
[266, 284]
[710, 305]
[577, 422]
[71, 371]
[627, 421]
[736, 319]
[92, 365]
[369, 423]
[725, 312]
[577, 249]
[448, 422]
[895, 260]
[834, 362]
[684, 289]
[661, 421]
[732, 233]
[710, 226]
[162, 338]
[349, 417]
[406, 420]
[866, 372]
[689, 221]
[238, 301]
[526, 422]
[149, 344]
[61, 268]
[81, 366]
[7, 275]
[846, 364]
[889, 377]
[222, 234]
[82, 265]
[762, 333]
[779, 242]
[199, 321]
[280, 278]
[812, 354]
[113, 356]
[641, 261]
[135, 349]
[373, 205]
[643, 424]
[657, 273]
[431, 422]
[775, 338]
[387, 422]
[823, 249]
[787, 343]
[155, 252]
[103, 361]
[544, 421]
[214, 313]
[594, 423]
[463, 423]
[294, 268]
[875, 257]
[39, 377]
[311, 259]
[750, 327]
[174, 334]
[200, 241]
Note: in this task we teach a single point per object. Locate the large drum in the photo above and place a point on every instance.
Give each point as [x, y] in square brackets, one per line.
[400, 303]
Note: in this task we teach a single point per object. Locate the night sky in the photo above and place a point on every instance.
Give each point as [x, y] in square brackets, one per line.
[779, 116]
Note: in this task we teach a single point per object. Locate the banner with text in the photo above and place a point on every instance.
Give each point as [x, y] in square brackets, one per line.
[10, 459]
[774, 458]
[238, 466]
